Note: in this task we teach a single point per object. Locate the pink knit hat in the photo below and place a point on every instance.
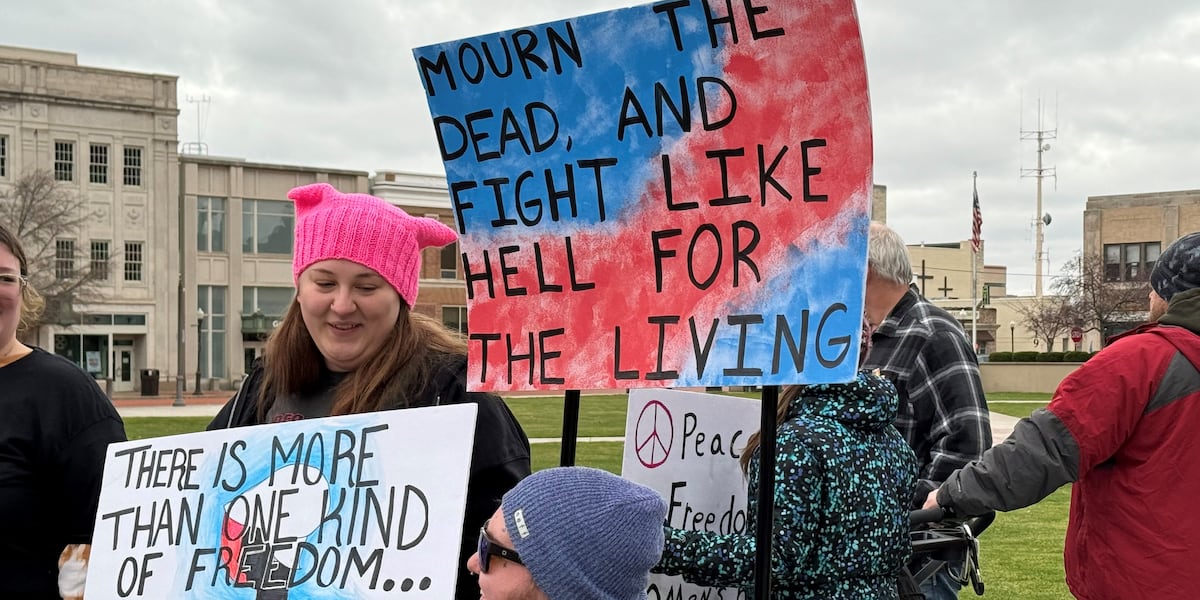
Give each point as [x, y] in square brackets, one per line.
[366, 230]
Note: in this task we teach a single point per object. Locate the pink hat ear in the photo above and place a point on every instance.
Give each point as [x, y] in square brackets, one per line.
[307, 197]
[431, 232]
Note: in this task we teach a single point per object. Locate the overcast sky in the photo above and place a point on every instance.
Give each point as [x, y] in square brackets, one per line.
[953, 83]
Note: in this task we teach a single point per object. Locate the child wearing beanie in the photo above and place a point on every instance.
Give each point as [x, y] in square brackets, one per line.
[351, 342]
[575, 533]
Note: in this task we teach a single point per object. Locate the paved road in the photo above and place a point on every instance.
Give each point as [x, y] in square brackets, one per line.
[208, 404]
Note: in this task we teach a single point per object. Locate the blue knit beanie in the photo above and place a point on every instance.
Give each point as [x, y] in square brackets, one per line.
[585, 534]
[1178, 268]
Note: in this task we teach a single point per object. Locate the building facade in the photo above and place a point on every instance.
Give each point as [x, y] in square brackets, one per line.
[238, 271]
[443, 291]
[194, 251]
[1129, 232]
[236, 258]
[109, 138]
[942, 273]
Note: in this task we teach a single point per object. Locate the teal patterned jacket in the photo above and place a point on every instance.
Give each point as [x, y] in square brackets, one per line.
[843, 480]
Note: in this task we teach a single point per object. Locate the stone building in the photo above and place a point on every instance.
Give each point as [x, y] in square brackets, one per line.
[109, 137]
[241, 268]
[196, 248]
[236, 256]
[1130, 231]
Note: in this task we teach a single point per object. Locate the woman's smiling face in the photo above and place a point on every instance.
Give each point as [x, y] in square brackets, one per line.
[348, 309]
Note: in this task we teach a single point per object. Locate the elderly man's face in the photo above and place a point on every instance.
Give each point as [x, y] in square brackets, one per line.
[504, 580]
[1158, 306]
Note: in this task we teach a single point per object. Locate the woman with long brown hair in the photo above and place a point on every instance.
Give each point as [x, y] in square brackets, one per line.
[55, 432]
[350, 342]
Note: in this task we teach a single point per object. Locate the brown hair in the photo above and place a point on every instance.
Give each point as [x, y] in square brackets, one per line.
[791, 392]
[789, 395]
[31, 301]
[400, 370]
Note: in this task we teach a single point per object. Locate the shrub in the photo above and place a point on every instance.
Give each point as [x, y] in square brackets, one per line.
[1000, 357]
[1049, 357]
[1076, 356]
[1025, 356]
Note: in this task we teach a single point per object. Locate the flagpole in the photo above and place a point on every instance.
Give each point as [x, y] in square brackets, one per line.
[974, 264]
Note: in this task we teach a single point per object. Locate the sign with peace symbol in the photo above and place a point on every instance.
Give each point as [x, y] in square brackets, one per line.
[655, 434]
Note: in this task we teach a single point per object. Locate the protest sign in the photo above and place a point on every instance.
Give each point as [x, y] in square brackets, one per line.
[673, 194]
[686, 445]
[341, 507]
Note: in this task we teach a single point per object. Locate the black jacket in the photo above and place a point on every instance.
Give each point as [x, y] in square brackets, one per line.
[499, 460]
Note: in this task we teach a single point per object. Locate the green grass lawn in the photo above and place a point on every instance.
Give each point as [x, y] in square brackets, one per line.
[598, 415]
[1021, 552]
[1016, 404]
[139, 428]
[601, 455]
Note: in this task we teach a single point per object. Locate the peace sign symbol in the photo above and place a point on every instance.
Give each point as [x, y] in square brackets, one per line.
[654, 434]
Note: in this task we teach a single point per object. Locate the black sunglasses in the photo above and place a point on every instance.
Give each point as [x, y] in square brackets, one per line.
[489, 548]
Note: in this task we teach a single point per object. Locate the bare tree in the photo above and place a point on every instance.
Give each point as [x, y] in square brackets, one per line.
[1048, 318]
[49, 221]
[1096, 300]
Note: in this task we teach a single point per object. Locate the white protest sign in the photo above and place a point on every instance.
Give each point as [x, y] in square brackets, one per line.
[686, 445]
[360, 506]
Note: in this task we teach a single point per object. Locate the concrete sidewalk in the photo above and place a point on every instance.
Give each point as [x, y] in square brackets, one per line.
[206, 404]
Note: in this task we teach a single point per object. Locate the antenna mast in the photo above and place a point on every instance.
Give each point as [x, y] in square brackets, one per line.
[1040, 135]
[198, 146]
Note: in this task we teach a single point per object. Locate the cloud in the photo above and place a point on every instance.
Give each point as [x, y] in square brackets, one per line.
[953, 84]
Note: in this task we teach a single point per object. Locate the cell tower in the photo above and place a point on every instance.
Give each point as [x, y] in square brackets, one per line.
[1041, 220]
[198, 147]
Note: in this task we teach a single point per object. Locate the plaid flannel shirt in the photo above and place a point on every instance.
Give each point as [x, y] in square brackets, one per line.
[943, 413]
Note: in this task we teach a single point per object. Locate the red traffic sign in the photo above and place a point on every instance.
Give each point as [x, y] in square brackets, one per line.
[1076, 334]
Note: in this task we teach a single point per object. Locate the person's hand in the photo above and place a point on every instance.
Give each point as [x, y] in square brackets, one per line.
[931, 500]
[72, 570]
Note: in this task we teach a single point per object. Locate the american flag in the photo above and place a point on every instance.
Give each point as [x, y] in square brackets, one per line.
[976, 223]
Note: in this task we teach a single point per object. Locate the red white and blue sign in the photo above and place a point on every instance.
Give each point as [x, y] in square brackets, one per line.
[673, 194]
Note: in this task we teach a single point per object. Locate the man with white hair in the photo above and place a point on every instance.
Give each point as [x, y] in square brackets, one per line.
[924, 351]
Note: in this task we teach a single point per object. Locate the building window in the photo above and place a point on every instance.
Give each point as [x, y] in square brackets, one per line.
[64, 161]
[1150, 253]
[450, 261]
[104, 319]
[3, 155]
[64, 259]
[133, 166]
[270, 301]
[267, 227]
[455, 317]
[210, 224]
[1130, 262]
[211, 299]
[99, 262]
[133, 261]
[98, 163]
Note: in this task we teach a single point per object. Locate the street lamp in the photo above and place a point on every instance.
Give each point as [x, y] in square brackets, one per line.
[1012, 336]
[180, 374]
[199, 345]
